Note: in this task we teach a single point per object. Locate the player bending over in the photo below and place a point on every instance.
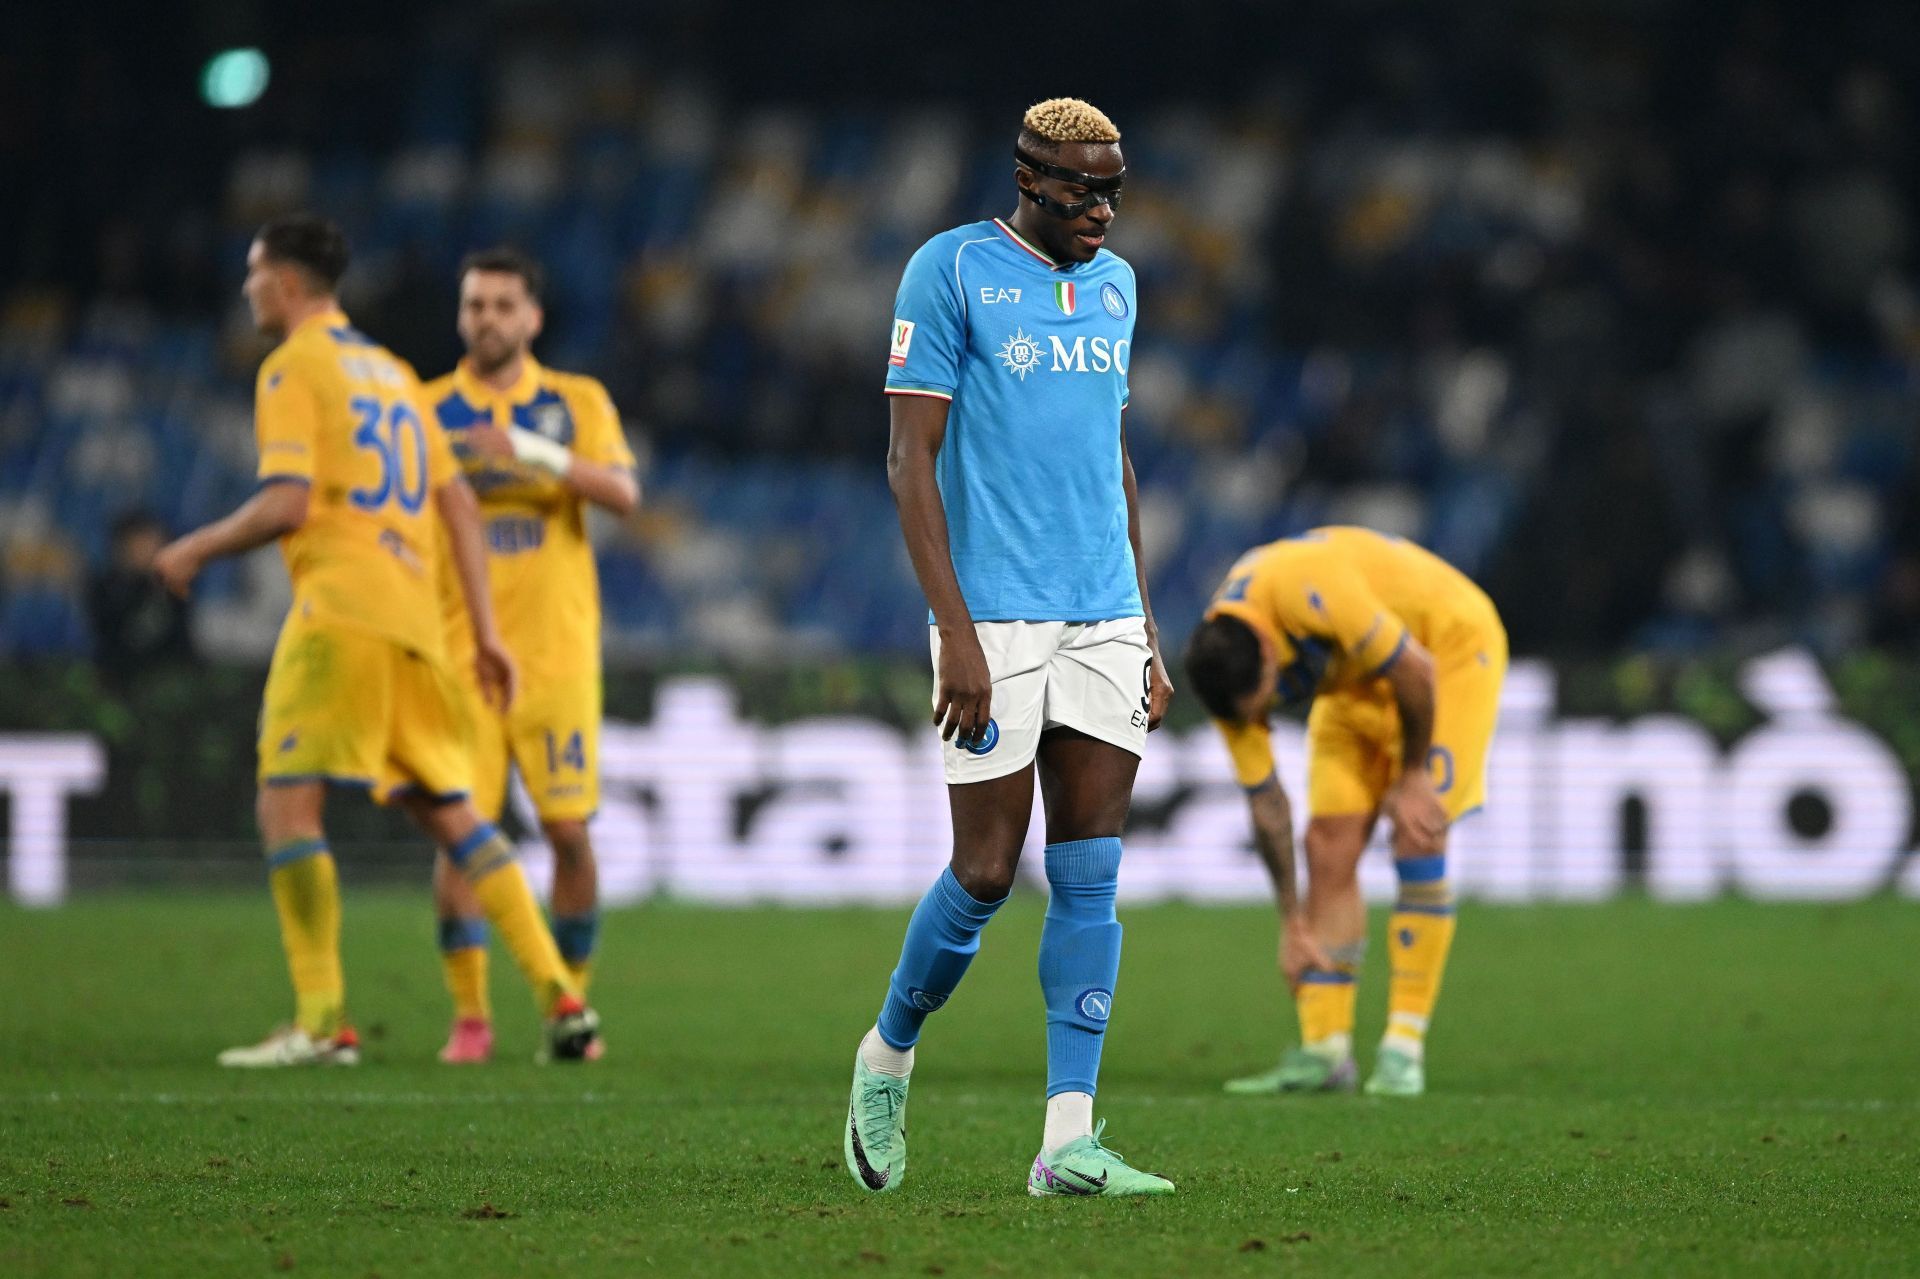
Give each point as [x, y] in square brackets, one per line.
[1403, 658]
[358, 689]
[1008, 374]
[537, 446]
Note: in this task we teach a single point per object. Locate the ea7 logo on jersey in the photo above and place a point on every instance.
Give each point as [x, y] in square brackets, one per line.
[989, 295]
[902, 340]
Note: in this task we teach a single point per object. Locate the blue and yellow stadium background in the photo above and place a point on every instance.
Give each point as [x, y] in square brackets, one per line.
[1615, 309]
[1613, 303]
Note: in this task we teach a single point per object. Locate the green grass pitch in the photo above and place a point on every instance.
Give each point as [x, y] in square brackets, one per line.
[1725, 1089]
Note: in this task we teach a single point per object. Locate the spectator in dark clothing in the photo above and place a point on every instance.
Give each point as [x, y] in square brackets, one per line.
[137, 623]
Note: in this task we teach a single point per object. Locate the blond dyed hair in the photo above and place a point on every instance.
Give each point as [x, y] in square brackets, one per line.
[1060, 120]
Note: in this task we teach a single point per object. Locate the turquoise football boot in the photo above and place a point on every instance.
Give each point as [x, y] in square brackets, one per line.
[1084, 1168]
[1397, 1074]
[1300, 1070]
[876, 1136]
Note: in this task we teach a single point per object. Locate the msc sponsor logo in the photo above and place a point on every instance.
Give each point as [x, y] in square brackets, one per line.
[1020, 353]
[1090, 355]
[1023, 354]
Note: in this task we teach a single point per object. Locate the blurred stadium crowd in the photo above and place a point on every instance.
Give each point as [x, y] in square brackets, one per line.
[1619, 315]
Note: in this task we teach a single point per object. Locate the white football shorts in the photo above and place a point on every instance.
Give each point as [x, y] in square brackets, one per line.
[1090, 676]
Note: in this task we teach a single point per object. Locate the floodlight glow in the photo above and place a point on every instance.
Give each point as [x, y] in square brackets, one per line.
[234, 78]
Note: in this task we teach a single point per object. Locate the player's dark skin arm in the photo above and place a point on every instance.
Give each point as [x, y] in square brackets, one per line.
[964, 697]
[276, 510]
[1160, 687]
[460, 513]
[1419, 821]
[989, 818]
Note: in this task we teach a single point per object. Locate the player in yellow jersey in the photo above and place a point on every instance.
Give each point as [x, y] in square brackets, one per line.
[354, 477]
[1403, 657]
[539, 446]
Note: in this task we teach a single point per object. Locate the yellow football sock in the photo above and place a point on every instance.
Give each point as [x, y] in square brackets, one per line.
[1324, 999]
[582, 972]
[1420, 933]
[486, 859]
[463, 957]
[306, 895]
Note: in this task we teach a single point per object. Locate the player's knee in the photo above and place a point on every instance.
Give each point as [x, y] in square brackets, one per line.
[568, 838]
[1333, 856]
[441, 823]
[288, 812]
[986, 877]
[265, 815]
[1102, 821]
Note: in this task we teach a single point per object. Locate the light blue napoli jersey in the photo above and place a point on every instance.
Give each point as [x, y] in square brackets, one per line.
[1033, 356]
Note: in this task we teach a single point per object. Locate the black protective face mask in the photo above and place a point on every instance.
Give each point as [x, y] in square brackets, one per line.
[1099, 190]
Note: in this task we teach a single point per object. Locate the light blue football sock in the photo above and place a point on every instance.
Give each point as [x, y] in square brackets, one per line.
[942, 938]
[1079, 959]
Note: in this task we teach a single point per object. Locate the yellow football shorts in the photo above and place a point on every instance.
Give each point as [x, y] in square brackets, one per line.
[349, 707]
[552, 735]
[1353, 735]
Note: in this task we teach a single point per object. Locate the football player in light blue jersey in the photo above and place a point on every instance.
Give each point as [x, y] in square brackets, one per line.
[1007, 376]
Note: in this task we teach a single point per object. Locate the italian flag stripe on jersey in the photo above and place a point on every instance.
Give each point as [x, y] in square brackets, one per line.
[1063, 296]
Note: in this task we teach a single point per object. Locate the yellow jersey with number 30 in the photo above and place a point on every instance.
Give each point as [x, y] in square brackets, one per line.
[545, 588]
[339, 413]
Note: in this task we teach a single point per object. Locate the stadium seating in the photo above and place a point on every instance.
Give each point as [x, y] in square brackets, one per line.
[1410, 325]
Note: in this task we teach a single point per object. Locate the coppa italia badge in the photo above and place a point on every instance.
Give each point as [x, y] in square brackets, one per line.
[1065, 296]
[902, 339]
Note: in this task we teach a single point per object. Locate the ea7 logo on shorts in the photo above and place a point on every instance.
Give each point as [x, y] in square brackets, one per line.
[902, 341]
[925, 1000]
[1095, 1004]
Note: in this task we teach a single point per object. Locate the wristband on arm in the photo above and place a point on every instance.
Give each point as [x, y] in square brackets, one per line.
[537, 450]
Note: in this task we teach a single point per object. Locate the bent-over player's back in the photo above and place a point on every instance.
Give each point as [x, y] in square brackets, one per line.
[1356, 590]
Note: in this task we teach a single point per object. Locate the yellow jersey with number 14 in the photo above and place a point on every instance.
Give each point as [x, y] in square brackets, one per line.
[339, 413]
[540, 569]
